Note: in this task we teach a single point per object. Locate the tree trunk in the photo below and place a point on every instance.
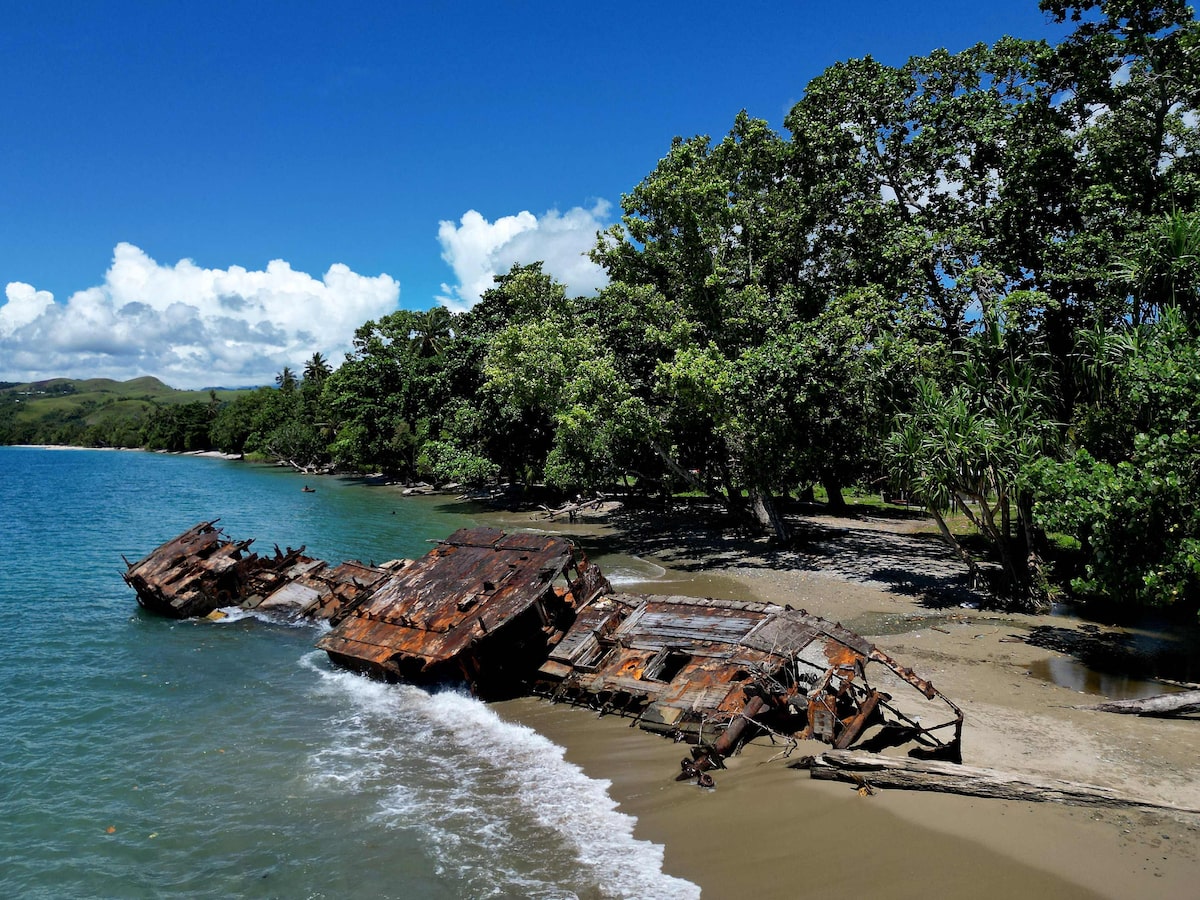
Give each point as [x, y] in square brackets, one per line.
[1014, 562]
[833, 490]
[1163, 706]
[1032, 541]
[767, 516]
[958, 548]
[952, 778]
[687, 477]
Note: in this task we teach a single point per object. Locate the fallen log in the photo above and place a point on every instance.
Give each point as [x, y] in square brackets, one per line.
[570, 510]
[1180, 703]
[873, 770]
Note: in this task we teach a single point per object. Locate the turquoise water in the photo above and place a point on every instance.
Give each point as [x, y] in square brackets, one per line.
[143, 757]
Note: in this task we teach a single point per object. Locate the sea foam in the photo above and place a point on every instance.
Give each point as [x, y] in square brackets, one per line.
[495, 803]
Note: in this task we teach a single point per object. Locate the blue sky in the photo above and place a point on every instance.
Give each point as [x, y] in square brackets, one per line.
[158, 156]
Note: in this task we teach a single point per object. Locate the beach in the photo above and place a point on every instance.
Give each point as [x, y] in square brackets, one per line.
[769, 831]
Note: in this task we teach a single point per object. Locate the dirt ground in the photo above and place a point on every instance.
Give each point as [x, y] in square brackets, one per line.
[892, 579]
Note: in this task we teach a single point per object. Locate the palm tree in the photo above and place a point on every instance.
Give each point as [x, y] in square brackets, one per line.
[1164, 269]
[432, 330]
[316, 370]
[286, 380]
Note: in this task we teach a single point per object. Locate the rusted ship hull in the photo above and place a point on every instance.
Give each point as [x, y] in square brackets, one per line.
[698, 669]
[203, 570]
[484, 607]
[506, 613]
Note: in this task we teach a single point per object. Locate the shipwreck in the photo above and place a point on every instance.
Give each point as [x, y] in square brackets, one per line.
[507, 614]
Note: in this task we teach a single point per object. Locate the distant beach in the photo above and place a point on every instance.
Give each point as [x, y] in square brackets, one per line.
[208, 454]
[67, 447]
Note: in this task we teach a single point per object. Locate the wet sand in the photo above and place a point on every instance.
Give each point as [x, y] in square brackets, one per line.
[769, 831]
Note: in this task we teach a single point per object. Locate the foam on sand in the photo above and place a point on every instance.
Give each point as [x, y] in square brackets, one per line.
[495, 803]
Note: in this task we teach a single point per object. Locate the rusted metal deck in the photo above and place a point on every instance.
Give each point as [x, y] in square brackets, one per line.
[483, 605]
[506, 613]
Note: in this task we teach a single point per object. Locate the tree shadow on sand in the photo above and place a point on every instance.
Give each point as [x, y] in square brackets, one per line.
[703, 539]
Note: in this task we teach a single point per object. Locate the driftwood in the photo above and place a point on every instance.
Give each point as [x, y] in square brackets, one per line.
[1180, 703]
[872, 770]
[570, 510]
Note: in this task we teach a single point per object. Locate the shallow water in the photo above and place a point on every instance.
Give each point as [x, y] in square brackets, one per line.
[145, 757]
[1071, 673]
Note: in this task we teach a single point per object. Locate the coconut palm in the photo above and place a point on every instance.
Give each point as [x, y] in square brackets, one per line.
[431, 331]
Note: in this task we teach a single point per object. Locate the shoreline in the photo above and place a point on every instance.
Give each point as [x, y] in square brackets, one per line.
[760, 831]
[206, 454]
[767, 831]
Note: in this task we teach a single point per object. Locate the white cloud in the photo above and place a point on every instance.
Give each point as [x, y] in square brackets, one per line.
[477, 250]
[189, 326]
[23, 306]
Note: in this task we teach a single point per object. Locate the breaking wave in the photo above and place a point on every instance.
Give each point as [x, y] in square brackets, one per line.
[494, 803]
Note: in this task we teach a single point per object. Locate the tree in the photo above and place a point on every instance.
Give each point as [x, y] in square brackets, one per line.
[702, 240]
[280, 424]
[316, 370]
[1127, 493]
[180, 428]
[286, 380]
[375, 399]
[933, 179]
[972, 443]
[432, 330]
[235, 421]
[1127, 81]
[521, 377]
[1162, 270]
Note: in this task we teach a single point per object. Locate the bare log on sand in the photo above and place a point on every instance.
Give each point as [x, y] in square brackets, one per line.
[868, 770]
[572, 509]
[1166, 706]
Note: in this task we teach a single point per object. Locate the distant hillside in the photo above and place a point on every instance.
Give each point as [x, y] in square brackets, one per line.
[88, 410]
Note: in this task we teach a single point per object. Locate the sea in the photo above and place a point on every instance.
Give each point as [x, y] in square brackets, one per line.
[146, 757]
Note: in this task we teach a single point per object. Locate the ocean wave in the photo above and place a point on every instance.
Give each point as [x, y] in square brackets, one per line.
[233, 614]
[496, 804]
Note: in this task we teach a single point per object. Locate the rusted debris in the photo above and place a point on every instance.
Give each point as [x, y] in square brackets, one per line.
[506, 613]
[483, 606]
[203, 570]
[712, 672]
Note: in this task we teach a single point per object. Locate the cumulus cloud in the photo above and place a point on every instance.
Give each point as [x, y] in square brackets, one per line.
[188, 325]
[23, 306]
[477, 250]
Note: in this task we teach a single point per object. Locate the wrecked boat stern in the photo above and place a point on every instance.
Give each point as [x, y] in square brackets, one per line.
[715, 673]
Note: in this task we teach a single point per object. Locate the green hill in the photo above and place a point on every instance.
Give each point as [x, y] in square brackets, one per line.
[89, 411]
